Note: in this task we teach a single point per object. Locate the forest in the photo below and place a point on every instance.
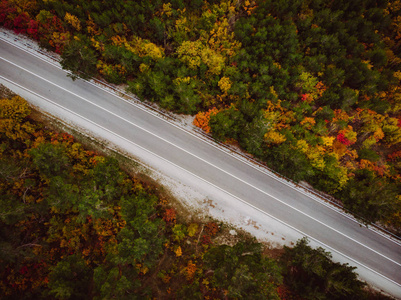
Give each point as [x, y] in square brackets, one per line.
[75, 225]
[311, 88]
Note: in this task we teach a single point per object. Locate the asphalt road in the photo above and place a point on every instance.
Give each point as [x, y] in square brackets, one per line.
[376, 254]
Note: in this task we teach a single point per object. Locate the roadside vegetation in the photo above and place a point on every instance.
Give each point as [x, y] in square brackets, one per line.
[73, 225]
[312, 88]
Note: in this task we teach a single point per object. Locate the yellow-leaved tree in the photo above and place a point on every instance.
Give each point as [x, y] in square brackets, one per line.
[139, 46]
[73, 21]
[193, 53]
[13, 113]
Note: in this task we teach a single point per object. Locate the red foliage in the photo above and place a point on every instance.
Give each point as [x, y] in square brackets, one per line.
[285, 293]
[399, 123]
[211, 229]
[394, 156]
[7, 14]
[23, 270]
[32, 30]
[46, 30]
[206, 240]
[343, 140]
[21, 23]
[169, 215]
[62, 138]
[304, 97]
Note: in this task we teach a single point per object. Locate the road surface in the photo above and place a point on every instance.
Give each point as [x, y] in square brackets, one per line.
[201, 164]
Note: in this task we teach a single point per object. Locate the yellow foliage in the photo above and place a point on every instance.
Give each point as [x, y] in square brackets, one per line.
[368, 64]
[225, 84]
[143, 68]
[98, 46]
[139, 46]
[392, 133]
[194, 53]
[12, 114]
[395, 101]
[144, 270]
[341, 115]
[15, 108]
[190, 270]
[308, 122]
[397, 75]
[339, 149]
[314, 154]
[278, 117]
[328, 140]
[273, 92]
[59, 39]
[378, 134]
[342, 177]
[213, 60]
[167, 10]
[370, 141]
[274, 137]
[316, 160]
[221, 40]
[179, 80]
[181, 24]
[302, 146]
[192, 229]
[189, 53]
[107, 69]
[91, 27]
[178, 252]
[24, 5]
[73, 21]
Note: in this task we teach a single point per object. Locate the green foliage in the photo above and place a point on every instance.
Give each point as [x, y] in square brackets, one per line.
[243, 272]
[141, 240]
[109, 282]
[290, 162]
[311, 273]
[56, 154]
[179, 231]
[226, 124]
[372, 197]
[79, 57]
[70, 279]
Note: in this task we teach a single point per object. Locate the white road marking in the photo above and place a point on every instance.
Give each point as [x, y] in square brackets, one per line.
[203, 160]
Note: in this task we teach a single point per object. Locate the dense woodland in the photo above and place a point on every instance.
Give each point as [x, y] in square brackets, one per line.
[312, 87]
[73, 225]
